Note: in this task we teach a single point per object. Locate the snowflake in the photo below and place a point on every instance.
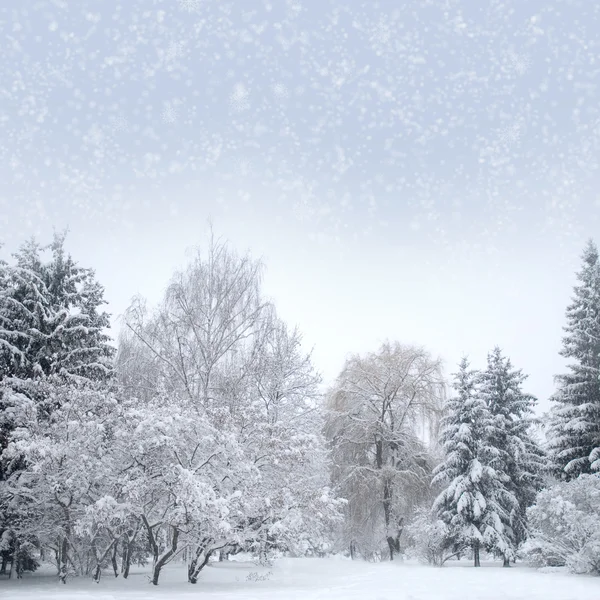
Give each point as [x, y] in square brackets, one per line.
[174, 51]
[280, 91]
[169, 113]
[343, 163]
[118, 124]
[303, 210]
[519, 62]
[295, 8]
[239, 97]
[510, 135]
[381, 36]
[243, 167]
[190, 5]
[95, 136]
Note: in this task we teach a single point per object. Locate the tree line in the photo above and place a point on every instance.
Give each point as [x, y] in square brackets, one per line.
[477, 471]
[204, 431]
[199, 433]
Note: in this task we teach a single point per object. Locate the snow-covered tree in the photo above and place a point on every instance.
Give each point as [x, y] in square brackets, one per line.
[68, 466]
[51, 318]
[429, 538]
[574, 432]
[237, 402]
[52, 327]
[517, 455]
[183, 479]
[283, 431]
[474, 504]
[564, 526]
[382, 417]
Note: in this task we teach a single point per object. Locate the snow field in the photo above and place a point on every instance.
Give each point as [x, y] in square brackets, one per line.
[316, 579]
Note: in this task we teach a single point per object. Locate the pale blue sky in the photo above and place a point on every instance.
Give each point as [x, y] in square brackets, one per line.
[425, 171]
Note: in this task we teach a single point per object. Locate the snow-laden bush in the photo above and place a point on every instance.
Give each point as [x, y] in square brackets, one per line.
[429, 539]
[565, 526]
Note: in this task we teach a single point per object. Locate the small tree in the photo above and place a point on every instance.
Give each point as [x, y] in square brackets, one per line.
[564, 526]
[429, 539]
[69, 465]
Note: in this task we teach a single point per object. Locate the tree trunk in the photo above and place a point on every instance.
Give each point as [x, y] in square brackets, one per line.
[161, 561]
[352, 550]
[113, 559]
[62, 574]
[97, 573]
[4, 563]
[477, 563]
[13, 563]
[392, 541]
[506, 562]
[198, 563]
[128, 540]
[153, 543]
[127, 551]
[100, 559]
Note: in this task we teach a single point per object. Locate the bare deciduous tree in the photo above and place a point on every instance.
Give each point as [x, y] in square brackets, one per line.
[382, 422]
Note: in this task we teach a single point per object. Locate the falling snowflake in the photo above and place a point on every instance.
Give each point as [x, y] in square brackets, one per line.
[239, 97]
[303, 209]
[381, 36]
[118, 124]
[95, 136]
[295, 8]
[510, 135]
[520, 63]
[169, 113]
[190, 5]
[280, 91]
[174, 51]
[243, 167]
[342, 162]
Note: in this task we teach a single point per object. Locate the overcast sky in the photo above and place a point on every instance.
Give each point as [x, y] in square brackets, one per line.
[419, 171]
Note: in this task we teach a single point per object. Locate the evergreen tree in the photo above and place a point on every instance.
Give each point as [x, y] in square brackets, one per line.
[574, 432]
[475, 500]
[516, 456]
[51, 322]
[51, 326]
[52, 329]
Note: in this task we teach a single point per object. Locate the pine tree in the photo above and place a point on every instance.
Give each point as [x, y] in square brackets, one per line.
[517, 458]
[473, 503]
[574, 431]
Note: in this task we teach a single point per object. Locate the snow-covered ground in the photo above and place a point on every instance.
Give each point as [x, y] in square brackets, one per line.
[312, 579]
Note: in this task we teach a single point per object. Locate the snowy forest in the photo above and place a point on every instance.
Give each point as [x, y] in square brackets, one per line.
[201, 430]
[300, 299]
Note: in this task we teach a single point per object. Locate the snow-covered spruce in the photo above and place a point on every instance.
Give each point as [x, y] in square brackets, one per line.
[514, 453]
[475, 504]
[574, 431]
